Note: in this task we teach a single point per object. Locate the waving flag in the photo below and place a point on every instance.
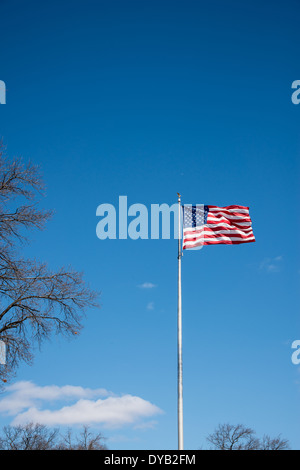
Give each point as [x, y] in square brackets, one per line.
[210, 225]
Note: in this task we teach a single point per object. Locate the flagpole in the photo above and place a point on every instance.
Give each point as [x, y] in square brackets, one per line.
[179, 333]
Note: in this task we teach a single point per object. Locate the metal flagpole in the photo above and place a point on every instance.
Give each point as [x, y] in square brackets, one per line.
[179, 333]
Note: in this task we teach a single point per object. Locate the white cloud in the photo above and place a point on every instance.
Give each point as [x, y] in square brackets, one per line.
[147, 285]
[150, 306]
[271, 265]
[25, 402]
[25, 394]
[148, 425]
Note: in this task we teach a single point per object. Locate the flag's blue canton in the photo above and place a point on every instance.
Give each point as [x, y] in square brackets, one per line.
[205, 213]
[194, 216]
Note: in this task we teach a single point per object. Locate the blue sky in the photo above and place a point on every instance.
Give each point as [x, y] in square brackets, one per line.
[145, 99]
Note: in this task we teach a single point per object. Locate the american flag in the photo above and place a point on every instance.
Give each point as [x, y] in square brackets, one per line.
[210, 225]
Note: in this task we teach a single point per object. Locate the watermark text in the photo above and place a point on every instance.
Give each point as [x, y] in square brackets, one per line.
[296, 94]
[135, 222]
[2, 352]
[2, 92]
[296, 353]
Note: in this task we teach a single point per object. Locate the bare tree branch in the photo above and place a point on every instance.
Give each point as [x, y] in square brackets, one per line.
[239, 437]
[34, 301]
[35, 436]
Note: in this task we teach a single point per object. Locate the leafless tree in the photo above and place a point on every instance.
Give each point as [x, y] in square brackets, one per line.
[28, 437]
[35, 436]
[34, 301]
[239, 437]
[277, 443]
[86, 441]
